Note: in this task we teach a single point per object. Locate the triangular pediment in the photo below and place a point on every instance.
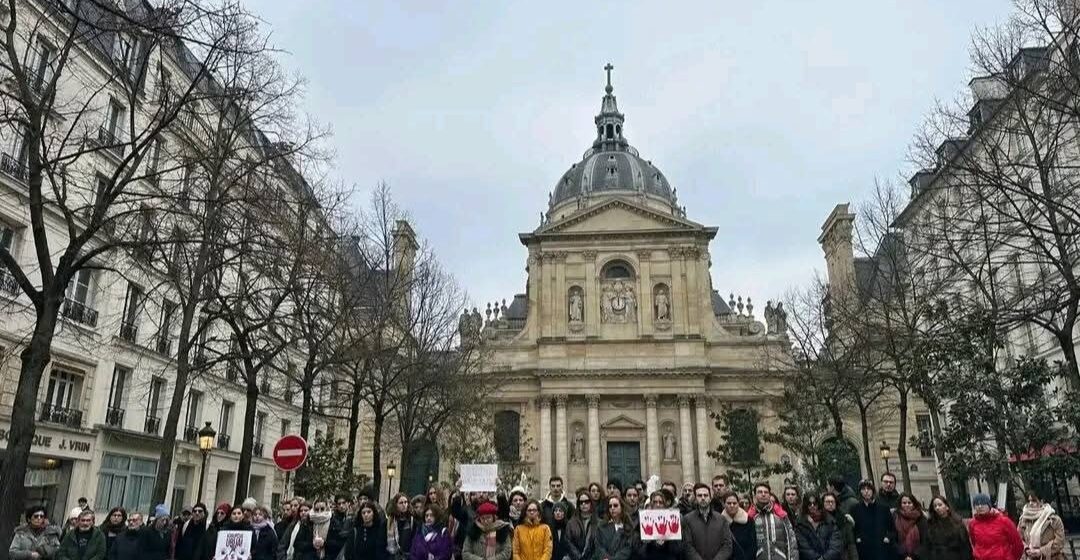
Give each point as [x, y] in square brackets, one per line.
[619, 214]
[622, 422]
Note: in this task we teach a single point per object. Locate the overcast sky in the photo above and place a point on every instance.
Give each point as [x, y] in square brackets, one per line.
[763, 115]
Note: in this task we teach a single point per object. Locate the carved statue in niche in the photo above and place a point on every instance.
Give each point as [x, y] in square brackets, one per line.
[617, 302]
[670, 445]
[662, 304]
[577, 305]
[577, 446]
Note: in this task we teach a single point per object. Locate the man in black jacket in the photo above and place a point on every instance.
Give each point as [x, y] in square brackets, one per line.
[888, 496]
[706, 534]
[875, 533]
[190, 534]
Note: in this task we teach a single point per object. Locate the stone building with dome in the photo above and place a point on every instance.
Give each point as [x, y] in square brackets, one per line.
[612, 360]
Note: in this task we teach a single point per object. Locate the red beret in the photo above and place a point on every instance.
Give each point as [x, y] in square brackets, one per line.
[487, 508]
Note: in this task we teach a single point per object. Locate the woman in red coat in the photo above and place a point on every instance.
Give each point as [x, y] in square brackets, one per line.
[993, 535]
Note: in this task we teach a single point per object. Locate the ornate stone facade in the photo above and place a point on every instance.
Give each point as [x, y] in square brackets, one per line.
[620, 339]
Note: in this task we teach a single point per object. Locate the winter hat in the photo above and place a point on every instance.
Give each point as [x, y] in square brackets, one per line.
[223, 507]
[161, 510]
[75, 513]
[487, 508]
[519, 490]
[981, 500]
[249, 504]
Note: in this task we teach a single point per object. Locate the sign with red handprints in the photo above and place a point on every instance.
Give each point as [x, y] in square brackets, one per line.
[660, 524]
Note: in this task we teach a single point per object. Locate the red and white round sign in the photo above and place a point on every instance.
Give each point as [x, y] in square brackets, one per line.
[290, 452]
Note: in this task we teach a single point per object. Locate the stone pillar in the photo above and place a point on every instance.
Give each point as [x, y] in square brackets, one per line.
[595, 472]
[592, 300]
[543, 470]
[652, 437]
[704, 461]
[645, 303]
[686, 442]
[562, 443]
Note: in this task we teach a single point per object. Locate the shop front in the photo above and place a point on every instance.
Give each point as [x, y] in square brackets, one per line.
[58, 467]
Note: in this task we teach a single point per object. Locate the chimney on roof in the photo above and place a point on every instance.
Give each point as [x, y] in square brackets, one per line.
[836, 241]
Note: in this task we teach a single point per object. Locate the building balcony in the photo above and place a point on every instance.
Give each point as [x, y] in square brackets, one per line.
[191, 434]
[110, 141]
[264, 388]
[164, 344]
[153, 423]
[257, 449]
[232, 373]
[79, 312]
[223, 442]
[13, 167]
[8, 286]
[128, 331]
[114, 417]
[69, 417]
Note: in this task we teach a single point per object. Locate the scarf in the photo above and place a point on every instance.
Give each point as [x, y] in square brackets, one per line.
[740, 517]
[259, 526]
[775, 510]
[320, 527]
[1038, 518]
[907, 529]
[292, 538]
[489, 532]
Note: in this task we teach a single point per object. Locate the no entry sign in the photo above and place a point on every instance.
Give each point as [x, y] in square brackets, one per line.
[290, 452]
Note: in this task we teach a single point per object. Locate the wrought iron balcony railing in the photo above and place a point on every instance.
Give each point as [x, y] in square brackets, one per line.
[114, 417]
[153, 423]
[60, 415]
[79, 312]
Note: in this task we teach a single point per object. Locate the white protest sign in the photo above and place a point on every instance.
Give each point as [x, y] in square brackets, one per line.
[478, 478]
[660, 524]
[233, 545]
[1002, 494]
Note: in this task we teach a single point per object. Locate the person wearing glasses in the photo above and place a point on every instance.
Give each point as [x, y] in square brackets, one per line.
[191, 533]
[615, 537]
[581, 530]
[131, 543]
[532, 539]
[84, 541]
[36, 539]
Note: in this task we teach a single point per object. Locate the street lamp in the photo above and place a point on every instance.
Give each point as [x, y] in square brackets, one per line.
[390, 470]
[885, 452]
[206, 444]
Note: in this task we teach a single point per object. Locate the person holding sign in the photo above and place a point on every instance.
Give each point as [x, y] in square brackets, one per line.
[532, 539]
[655, 545]
[706, 534]
[615, 538]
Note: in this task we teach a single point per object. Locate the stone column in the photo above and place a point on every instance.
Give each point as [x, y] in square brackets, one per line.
[704, 461]
[686, 443]
[595, 472]
[544, 469]
[562, 443]
[645, 303]
[652, 437]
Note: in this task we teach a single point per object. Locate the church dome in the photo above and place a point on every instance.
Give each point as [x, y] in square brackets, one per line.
[611, 165]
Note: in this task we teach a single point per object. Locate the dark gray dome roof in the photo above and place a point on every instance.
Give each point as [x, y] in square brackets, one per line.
[612, 164]
[600, 172]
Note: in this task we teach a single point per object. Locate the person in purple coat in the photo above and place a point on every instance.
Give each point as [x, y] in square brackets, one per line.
[432, 541]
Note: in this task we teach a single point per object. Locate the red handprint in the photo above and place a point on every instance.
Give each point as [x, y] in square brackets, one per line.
[648, 528]
[673, 524]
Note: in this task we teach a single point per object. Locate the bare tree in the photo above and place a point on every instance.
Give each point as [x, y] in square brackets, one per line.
[1001, 187]
[71, 120]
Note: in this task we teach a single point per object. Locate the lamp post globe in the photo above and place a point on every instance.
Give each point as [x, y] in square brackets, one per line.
[886, 451]
[391, 469]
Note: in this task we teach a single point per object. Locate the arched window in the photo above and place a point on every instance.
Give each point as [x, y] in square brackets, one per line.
[508, 436]
[618, 269]
[610, 131]
[422, 463]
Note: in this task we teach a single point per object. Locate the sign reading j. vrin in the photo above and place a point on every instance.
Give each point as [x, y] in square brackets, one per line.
[233, 545]
[51, 442]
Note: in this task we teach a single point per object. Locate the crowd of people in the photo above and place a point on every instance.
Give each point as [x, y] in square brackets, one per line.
[594, 523]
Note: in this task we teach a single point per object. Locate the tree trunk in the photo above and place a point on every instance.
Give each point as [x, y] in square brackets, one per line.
[864, 426]
[35, 358]
[176, 406]
[947, 486]
[1072, 371]
[354, 427]
[305, 410]
[838, 421]
[901, 446]
[243, 469]
[376, 455]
